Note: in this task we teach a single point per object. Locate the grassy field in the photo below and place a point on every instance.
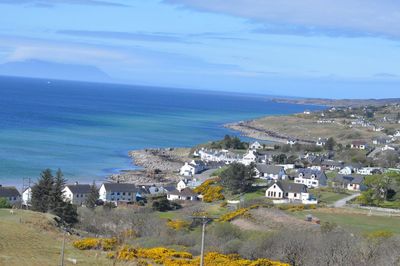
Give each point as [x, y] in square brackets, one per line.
[307, 128]
[329, 197]
[356, 221]
[28, 238]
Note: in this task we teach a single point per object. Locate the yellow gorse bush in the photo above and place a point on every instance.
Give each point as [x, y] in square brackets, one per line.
[170, 257]
[294, 208]
[242, 212]
[96, 243]
[178, 224]
[210, 191]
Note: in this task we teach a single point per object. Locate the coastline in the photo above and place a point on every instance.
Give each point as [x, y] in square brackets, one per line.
[158, 166]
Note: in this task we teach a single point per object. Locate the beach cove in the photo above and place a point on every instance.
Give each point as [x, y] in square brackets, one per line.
[88, 129]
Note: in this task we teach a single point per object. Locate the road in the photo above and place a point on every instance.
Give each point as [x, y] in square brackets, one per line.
[342, 202]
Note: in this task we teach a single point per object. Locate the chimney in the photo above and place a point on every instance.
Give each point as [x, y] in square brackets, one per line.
[76, 183]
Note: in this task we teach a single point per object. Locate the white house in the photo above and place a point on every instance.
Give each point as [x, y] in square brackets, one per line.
[360, 145]
[11, 194]
[289, 192]
[347, 170]
[192, 168]
[368, 170]
[271, 172]
[115, 192]
[184, 194]
[397, 134]
[76, 194]
[255, 146]
[291, 141]
[388, 148]
[311, 178]
[320, 142]
[349, 182]
[27, 196]
[249, 157]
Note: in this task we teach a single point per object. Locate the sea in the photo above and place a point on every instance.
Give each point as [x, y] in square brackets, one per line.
[87, 129]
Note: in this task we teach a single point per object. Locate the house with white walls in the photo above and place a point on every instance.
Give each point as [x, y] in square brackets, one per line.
[249, 158]
[76, 194]
[27, 196]
[286, 192]
[349, 182]
[271, 172]
[311, 178]
[255, 146]
[119, 192]
[192, 168]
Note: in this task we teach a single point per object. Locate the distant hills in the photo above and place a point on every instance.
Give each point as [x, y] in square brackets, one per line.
[52, 70]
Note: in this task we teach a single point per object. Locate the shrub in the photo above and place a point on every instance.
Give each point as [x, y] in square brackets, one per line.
[96, 243]
[210, 191]
[4, 203]
[178, 224]
[170, 257]
[233, 215]
[163, 205]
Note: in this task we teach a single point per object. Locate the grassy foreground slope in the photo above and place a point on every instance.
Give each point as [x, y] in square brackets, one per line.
[29, 238]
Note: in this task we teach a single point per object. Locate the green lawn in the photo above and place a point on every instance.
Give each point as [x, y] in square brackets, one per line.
[357, 222]
[390, 204]
[331, 197]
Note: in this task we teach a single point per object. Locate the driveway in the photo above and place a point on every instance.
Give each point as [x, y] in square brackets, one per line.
[342, 202]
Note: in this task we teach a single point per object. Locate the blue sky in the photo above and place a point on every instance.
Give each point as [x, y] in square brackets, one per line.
[318, 48]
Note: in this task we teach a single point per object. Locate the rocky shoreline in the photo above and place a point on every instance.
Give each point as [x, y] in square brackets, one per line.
[246, 129]
[159, 166]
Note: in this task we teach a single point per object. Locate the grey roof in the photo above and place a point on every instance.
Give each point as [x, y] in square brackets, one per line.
[121, 187]
[186, 192]
[169, 188]
[79, 188]
[359, 142]
[349, 179]
[269, 169]
[309, 172]
[290, 187]
[6, 192]
[332, 163]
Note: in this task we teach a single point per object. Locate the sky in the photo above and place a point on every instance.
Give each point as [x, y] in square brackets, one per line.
[309, 48]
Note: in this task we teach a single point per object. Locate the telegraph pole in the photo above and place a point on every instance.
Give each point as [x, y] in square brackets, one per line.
[62, 249]
[204, 220]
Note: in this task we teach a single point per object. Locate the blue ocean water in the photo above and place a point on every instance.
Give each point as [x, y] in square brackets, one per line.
[87, 129]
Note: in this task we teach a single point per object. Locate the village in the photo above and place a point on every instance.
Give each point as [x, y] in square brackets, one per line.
[268, 191]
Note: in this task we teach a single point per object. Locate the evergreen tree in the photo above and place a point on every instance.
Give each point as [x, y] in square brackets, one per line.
[47, 196]
[238, 177]
[57, 198]
[41, 192]
[330, 144]
[93, 196]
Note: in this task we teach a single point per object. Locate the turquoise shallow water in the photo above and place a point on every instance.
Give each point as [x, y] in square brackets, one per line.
[87, 129]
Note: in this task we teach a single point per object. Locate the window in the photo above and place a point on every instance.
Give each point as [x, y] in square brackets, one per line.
[295, 195]
[112, 193]
[118, 193]
[123, 193]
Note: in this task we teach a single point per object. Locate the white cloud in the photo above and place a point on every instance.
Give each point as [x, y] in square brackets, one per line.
[375, 17]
